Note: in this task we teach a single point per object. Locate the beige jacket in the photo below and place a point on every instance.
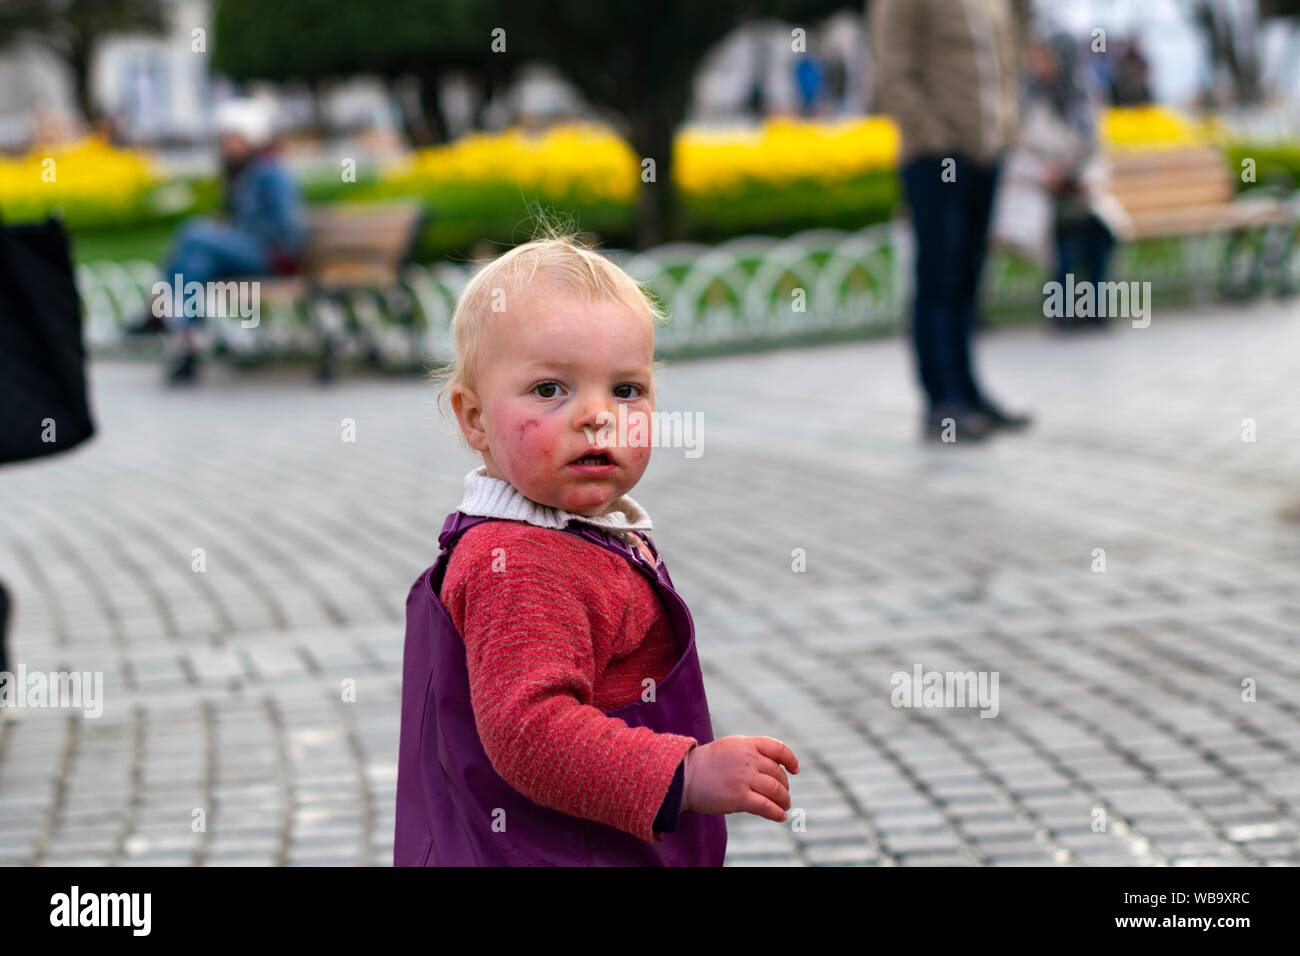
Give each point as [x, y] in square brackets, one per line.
[948, 72]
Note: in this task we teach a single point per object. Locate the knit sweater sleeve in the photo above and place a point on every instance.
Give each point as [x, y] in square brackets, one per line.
[532, 606]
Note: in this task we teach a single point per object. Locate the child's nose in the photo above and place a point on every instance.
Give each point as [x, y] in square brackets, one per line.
[595, 412]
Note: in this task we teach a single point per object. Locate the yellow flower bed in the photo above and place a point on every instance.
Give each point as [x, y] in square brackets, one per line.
[782, 151]
[592, 160]
[84, 172]
[582, 157]
[585, 159]
[1153, 127]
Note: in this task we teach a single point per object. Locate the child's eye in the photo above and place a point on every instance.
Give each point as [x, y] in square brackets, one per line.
[635, 388]
[545, 385]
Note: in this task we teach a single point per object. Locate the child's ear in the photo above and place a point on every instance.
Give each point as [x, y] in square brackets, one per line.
[469, 413]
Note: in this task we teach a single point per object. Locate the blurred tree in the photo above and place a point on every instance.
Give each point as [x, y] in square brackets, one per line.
[1231, 38]
[639, 61]
[316, 40]
[72, 29]
[1231, 33]
[1280, 10]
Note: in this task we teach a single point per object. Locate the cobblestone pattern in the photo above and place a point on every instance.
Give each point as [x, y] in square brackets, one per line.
[251, 709]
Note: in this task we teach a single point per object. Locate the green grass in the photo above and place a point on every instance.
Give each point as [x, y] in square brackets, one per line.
[148, 241]
[783, 210]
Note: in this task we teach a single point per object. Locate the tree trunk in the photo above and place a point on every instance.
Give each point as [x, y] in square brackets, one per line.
[1241, 53]
[1231, 50]
[78, 59]
[320, 122]
[658, 214]
[431, 105]
[487, 88]
[406, 93]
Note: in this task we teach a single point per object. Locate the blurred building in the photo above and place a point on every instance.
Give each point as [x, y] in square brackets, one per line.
[158, 90]
[155, 88]
[752, 71]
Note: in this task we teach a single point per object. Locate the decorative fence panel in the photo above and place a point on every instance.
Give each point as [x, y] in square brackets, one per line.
[748, 292]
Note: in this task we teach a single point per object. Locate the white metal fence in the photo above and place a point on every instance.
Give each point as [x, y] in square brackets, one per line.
[748, 291]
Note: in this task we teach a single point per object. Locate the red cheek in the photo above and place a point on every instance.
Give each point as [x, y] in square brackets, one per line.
[524, 428]
[543, 450]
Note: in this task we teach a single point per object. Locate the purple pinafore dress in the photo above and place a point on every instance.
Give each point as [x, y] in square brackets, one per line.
[453, 808]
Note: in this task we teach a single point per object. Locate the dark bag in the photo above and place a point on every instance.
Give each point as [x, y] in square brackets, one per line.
[43, 407]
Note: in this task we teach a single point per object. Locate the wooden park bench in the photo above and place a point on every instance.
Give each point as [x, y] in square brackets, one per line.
[350, 248]
[1190, 191]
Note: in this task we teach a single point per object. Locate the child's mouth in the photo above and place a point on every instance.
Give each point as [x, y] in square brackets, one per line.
[598, 463]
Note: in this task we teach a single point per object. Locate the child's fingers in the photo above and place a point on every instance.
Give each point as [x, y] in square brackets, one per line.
[771, 788]
[760, 806]
[773, 769]
[770, 747]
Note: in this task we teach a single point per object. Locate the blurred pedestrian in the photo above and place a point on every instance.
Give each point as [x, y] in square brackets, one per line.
[946, 70]
[756, 96]
[1132, 86]
[1101, 66]
[1054, 193]
[836, 82]
[809, 74]
[262, 233]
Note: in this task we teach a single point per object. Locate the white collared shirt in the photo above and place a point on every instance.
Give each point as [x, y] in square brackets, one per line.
[497, 498]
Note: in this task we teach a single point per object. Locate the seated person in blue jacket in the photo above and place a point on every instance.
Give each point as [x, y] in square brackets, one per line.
[262, 233]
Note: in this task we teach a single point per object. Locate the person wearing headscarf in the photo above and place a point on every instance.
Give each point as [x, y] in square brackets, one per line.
[1054, 197]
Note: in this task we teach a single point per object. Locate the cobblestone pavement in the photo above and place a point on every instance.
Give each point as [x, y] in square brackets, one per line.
[1120, 692]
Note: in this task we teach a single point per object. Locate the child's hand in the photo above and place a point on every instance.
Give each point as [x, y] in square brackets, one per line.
[739, 774]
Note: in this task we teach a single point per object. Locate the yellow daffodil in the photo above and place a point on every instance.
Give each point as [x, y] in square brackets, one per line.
[87, 171]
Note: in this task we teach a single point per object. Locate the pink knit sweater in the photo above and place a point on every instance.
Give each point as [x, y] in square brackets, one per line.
[560, 631]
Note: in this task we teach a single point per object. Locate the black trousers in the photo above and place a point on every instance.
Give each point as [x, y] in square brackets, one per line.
[950, 223]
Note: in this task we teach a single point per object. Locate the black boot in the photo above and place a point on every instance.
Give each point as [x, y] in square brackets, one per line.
[954, 424]
[1000, 418]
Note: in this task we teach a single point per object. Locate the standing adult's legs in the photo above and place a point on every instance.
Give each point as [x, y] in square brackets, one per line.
[937, 208]
[982, 182]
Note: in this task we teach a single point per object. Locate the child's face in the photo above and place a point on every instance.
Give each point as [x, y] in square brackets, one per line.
[557, 362]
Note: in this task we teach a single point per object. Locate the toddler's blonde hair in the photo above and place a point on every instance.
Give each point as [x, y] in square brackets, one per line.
[562, 261]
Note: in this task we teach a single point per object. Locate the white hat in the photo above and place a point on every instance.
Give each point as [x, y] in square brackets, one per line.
[248, 118]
